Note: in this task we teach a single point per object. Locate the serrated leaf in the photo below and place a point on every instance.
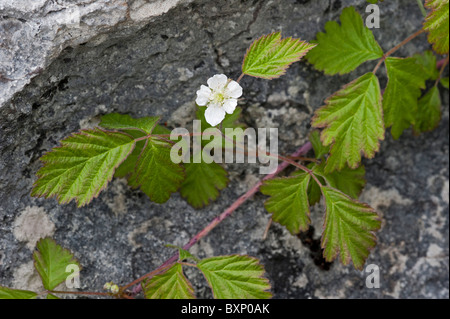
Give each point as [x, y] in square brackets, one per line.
[8, 293]
[405, 79]
[444, 82]
[288, 202]
[428, 113]
[82, 166]
[350, 181]
[353, 122]
[203, 182]
[51, 261]
[342, 48]
[319, 150]
[428, 62]
[348, 229]
[235, 277]
[130, 125]
[171, 284]
[269, 56]
[437, 25]
[155, 173]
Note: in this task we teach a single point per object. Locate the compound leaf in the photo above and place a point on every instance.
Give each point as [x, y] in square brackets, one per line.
[353, 122]
[269, 56]
[436, 23]
[428, 113]
[51, 261]
[203, 182]
[82, 166]
[8, 293]
[406, 78]
[171, 284]
[288, 202]
[343, 48]
[348, 229]
[235, 277]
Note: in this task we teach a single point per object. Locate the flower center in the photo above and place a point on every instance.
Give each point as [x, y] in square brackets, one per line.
[218, 97]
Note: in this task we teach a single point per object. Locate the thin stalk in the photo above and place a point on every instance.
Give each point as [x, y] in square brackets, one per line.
[422, 8]
[441, 71]
[398, 46]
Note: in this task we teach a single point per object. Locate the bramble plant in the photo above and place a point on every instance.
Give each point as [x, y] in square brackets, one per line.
[352, 122]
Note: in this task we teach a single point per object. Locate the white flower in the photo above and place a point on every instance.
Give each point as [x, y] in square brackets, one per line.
[219, 96]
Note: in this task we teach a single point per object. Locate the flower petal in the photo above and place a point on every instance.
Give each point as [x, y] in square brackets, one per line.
[214, 115]
[233, 90]
[230, 105]
[218, 81]
[203, 95]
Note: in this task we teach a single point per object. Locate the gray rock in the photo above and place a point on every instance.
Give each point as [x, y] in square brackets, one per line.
[140, 58]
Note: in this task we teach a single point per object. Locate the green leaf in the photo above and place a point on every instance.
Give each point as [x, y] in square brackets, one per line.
[428, 62]
[8, 293]
[444, 82]
[82, 166]
[428, 113]
[406, 79]
[203, 182]
[50, 296]
[129, 164]
[436, 23]
[235, 277]
[353, 123]
[349, 228]
[350, 181]
[155, 173]
[51, 260]
[314, 192]
[319, 150]
[130, 125]
[343, 48]
[269, 56]
[183, 254]
[289, 203]
[171, 284]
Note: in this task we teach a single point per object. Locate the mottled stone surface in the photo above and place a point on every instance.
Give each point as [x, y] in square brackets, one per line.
[147, 63]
